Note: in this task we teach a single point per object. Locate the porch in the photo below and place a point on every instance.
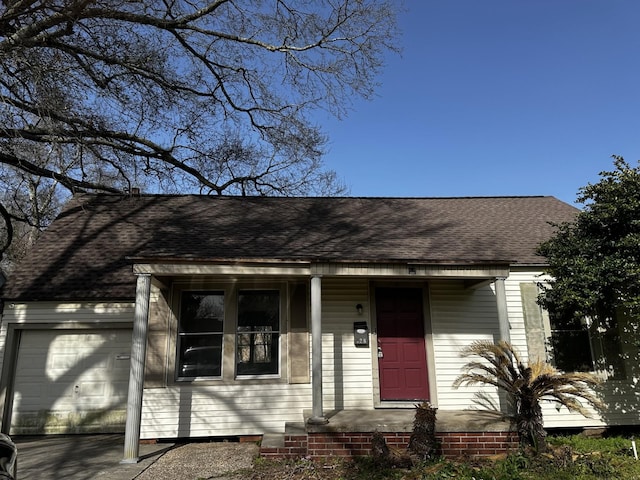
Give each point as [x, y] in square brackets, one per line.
[332, 370]
[348, 434]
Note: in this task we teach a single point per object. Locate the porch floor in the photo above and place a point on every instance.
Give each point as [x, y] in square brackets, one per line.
[401, 420]
[348, 433]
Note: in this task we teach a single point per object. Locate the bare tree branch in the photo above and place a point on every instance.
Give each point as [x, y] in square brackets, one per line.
[180, 96]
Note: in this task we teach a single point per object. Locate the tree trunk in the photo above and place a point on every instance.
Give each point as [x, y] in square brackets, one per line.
[530, 424]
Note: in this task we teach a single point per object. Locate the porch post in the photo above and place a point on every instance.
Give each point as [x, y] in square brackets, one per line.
[317, 418]
[503, 315]
[136, 375]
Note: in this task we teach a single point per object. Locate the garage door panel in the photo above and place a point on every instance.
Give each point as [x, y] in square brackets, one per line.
[71, 382]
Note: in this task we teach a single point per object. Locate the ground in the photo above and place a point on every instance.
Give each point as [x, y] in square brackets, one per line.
[568, 458]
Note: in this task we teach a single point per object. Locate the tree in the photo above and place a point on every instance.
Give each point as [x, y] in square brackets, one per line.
[180, 96]
[594, 261]
[526, 385]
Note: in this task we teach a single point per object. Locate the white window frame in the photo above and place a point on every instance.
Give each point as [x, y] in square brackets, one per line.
[231, 288]
[177, 373]
[279, 362]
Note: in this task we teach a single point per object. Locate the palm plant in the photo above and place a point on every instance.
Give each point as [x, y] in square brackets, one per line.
[526, 385]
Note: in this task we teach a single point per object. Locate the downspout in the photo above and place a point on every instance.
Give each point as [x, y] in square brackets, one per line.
[317, 417]
[136, 376]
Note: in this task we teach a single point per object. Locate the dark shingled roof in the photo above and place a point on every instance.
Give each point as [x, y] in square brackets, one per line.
[88, 250]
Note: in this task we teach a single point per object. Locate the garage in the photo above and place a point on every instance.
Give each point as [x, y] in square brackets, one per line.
[71, 381]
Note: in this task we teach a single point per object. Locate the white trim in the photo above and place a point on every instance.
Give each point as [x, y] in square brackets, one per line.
[278, 269]
[306, 269]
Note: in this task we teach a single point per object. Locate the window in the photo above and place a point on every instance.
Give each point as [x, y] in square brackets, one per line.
[571, 346]
[579, 345]
[258, 332]
[200, 334]
[607, 346]
[587, 345]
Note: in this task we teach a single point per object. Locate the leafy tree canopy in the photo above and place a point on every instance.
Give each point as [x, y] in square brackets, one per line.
[177, 96]
[594, 261]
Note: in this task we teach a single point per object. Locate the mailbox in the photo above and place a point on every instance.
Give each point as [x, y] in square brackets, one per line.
[360, 334]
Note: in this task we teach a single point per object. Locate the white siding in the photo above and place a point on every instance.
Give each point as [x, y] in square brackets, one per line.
[347, 374]
[225, 410]
[72, 313]
[554, 416]
[459, 316]
[248, 407]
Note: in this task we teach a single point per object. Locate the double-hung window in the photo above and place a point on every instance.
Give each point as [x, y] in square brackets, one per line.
[200, 334]
[258, 332]
[575, 344]
[570, 344]
[588, 344]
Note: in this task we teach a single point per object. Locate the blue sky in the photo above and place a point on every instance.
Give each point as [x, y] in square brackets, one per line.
[497, 97]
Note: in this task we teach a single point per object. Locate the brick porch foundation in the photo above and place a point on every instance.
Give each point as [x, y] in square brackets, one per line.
[321, 445]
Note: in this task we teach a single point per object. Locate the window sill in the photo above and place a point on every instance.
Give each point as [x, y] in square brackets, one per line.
[258, 377]
[198, 379]
[229, 382]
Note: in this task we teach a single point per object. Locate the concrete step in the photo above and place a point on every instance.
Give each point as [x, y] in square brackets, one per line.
[272, 440]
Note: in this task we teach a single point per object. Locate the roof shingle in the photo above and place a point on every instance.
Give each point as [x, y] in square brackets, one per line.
[87, 251]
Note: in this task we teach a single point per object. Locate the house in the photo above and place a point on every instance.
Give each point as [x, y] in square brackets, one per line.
[199, 316]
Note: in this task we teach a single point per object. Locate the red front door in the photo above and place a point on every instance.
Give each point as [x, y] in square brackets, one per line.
[402, 358]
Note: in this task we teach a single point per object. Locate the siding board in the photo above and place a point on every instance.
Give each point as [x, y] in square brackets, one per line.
[459, 316]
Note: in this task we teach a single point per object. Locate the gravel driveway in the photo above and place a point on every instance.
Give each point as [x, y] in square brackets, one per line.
[220, 460]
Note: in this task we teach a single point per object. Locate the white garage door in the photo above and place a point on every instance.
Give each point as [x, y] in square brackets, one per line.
[71, 381]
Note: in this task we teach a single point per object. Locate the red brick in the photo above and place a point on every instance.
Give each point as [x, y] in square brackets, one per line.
[486, 451]
[266, 450]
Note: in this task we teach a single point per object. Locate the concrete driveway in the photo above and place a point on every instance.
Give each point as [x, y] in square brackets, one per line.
[81, 457]
[84, 457]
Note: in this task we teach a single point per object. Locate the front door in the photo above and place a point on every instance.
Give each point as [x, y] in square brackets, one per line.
[402, 359]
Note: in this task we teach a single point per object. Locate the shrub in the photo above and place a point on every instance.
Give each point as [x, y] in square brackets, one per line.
[527, 384]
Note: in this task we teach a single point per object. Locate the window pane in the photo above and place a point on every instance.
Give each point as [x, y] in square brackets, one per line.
[200, 334]
[259, 308]
[257, 340]
[202, 312]
[612, 355]
[572, 350]
[200, 356]
[614, 362]
[258, 353]
[565, 323]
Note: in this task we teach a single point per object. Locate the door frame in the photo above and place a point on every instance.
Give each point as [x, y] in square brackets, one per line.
[428, 342]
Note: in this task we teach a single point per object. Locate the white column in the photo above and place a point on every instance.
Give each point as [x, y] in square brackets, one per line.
[136, 375]
[317, 417]
[503, 315]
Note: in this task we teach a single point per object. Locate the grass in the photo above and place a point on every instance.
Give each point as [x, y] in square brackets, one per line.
[568, 458]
